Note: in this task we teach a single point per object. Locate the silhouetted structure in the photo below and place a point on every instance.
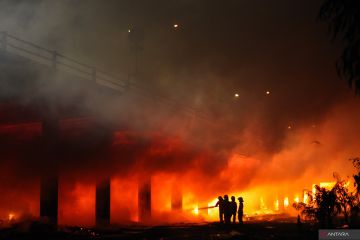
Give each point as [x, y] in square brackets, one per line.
[103, 203]
[220, 204]
[49, 198]
[233, 209]
[19, 54]
[49, 180]
[241, 210]
[144, 200]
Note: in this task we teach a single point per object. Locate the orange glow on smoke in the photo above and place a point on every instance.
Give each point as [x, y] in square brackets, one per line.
[123, 200]
[268, 183]
[76, 203]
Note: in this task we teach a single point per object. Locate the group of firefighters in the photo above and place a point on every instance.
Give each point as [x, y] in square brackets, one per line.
[228, 210]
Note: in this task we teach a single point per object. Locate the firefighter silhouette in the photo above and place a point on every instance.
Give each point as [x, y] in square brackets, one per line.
[241, 210]
[227, 210]
[233, 209]
[220, 204]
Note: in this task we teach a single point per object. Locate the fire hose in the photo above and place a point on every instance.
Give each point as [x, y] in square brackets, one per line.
[200, 208]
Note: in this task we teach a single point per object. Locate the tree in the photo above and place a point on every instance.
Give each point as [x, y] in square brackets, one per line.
[343, 17]
[345, 199]
[325, 205]
[356, 163]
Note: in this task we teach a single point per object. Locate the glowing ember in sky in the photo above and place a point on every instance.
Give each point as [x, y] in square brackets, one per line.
[236, 95]
[176, 25]
[267, 92]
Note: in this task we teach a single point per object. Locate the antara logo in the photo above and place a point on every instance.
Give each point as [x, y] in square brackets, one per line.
[338, 234]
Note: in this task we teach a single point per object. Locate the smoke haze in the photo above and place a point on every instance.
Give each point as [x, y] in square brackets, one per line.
[300, 133]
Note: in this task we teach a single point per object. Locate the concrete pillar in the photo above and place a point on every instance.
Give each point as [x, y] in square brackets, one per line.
[49, 198]
[176, 198]
[103, 203]
[144, 200]
[49, 179]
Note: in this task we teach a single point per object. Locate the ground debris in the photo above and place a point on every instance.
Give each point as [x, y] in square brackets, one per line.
[209, 231]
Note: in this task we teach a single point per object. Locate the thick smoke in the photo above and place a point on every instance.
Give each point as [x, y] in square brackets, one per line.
[228, 143]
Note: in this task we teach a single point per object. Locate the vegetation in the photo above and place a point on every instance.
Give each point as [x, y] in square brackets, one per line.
[325, 206]
[343, 17]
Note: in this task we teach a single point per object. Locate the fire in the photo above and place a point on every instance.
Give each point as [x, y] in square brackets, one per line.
[327, 185]
[262, 204]
[77, 199]
[313, 190]
[258, 202]
[11, 217]
[213, 213]
[286, 202]
[306, 196]
[196, 210]
[276, 205]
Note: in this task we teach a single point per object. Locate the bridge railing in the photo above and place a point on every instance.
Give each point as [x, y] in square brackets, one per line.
[57, 61]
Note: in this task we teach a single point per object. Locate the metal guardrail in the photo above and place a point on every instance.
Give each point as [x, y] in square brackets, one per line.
[57, 61]
[15, 45]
